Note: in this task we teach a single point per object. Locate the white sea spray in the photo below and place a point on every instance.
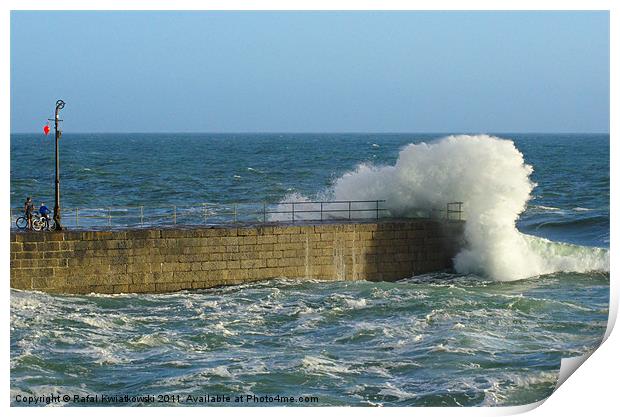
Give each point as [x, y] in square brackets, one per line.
[489, 175]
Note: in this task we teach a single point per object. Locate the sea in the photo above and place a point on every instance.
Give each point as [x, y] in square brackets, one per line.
[530, 286]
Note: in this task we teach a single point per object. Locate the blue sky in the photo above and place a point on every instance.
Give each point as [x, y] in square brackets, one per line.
[311, 71]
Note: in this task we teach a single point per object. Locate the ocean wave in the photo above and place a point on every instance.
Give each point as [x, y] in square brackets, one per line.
[546, 208]
[151, 340]
[571, 222]
[324, 366]
[489, 175]
[502, 389]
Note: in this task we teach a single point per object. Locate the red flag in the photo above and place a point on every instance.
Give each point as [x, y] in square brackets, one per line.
[46, 130]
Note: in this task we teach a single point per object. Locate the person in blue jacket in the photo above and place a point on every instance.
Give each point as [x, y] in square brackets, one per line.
[45, 213]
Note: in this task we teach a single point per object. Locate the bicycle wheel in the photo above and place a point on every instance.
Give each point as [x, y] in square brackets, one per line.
[21, 222]
[52, 225]
[37, 224]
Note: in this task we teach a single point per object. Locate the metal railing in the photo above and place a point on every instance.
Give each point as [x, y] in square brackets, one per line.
[323, 211]
[454, 210]
[115, 217]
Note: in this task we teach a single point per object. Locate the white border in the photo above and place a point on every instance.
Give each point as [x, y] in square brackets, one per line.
[590, 392]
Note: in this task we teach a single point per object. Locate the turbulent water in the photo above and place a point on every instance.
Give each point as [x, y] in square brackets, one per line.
[530, 287]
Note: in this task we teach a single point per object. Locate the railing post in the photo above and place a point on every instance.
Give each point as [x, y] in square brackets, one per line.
[264, 212]
[293, 211]
[174, 214]
[377, 209]
[349, 210]
[110, 216]
[77, 218]
[321, 211]
[141, 216]
[235, 212]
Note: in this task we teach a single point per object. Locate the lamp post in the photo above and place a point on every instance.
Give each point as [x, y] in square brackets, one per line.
[59, 106]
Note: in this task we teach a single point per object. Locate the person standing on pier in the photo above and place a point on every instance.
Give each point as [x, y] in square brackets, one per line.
[28, 209]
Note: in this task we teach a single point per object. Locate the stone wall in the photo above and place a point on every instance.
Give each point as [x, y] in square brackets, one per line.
[163, 260]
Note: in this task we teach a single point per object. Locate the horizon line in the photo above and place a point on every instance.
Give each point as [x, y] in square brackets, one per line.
[328, 132]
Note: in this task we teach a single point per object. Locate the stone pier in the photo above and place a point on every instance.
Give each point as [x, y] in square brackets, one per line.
[164, 260]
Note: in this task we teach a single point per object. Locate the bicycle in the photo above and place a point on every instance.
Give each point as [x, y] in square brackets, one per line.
[38, 222]
[41, 222]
